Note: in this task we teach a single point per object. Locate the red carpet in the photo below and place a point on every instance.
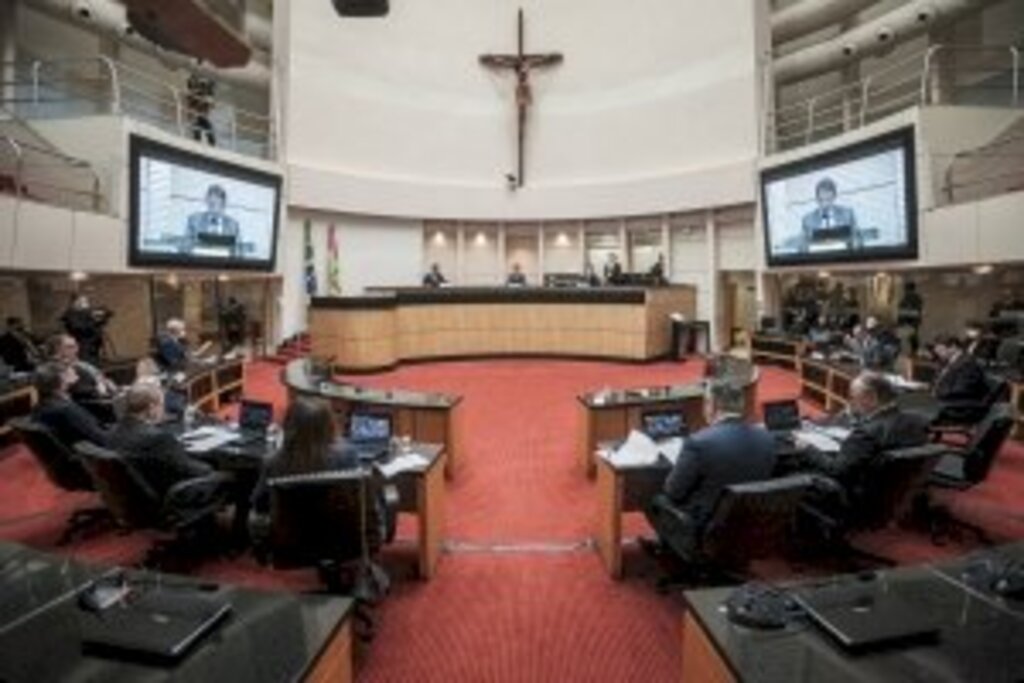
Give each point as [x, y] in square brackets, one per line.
[547, 614]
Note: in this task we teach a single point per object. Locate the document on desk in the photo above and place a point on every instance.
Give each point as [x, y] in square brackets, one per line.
[817, 440]
[671, 448]
[410, 462]
[901, 382]
[640, 450]
[206, 439]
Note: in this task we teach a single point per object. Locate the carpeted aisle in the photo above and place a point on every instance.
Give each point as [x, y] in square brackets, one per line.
[521, 596]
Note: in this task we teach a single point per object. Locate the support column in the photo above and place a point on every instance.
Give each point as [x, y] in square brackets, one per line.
[714, 282]
[502, 251]
[666, 245]
[541, 264]
[460, 253]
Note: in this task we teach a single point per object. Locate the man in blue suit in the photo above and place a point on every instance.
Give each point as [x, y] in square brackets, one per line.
[171, 352]
[829, 219]
[728, 451]
[213, 222]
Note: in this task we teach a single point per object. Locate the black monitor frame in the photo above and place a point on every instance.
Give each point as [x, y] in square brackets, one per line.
[139, 146]
[904, 139]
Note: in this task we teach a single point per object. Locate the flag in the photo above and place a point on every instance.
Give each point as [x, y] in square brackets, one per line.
[333, 267]
[310, 268]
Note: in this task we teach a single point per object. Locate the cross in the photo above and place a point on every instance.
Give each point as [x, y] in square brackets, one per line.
[522, 63]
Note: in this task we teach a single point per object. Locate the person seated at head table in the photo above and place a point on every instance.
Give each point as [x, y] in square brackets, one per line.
[516, 278]
[157, 455]
[877, 424]
[612, 270]
[91, 383]
[434, 277]
[876, 346]
[820, 333]
[728, 451]
[961, 377]
[17, 347]
[310, 444]
[68, 421]
[657, 271]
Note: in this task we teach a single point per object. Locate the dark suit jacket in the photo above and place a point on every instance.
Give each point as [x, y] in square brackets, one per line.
[728, 452]
[886, 429]
[156, 455]
[170, 354]
[70, 422]
[962, 380]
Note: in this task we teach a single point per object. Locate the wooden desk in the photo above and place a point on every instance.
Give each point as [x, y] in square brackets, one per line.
[16, 400]
[422, 416]
[422, 493]
[778, 350]
[621, 490]
[394, 326]
[612, 415]
[826, 383]
[209, 387]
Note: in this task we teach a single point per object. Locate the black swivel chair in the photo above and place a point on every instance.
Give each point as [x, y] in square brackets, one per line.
[136, 506]
[961, 417]
[965, 467]
[749, 521]
[63, 468]
[331, 521]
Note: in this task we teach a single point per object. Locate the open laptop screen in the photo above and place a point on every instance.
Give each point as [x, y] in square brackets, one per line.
[781, 415]
[369, 427]
[665, 424]
[255, 416]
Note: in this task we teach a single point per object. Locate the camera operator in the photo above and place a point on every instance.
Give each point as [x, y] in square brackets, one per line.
[200, 102]
[86, 325]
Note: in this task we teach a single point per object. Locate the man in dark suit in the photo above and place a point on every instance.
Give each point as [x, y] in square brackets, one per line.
[516, 278]
[729, 451]
[156, 454]
[68, 421]
[820, 225]
[171, 348]
[91, 385]
[613, 270]
[212, 222]
[434, 277]
[878, 425]
[962, 378]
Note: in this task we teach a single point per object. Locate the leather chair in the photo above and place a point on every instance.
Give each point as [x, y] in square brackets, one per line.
[135, 505]
[63, 469]
[964, 467]
[961, 417]
[749, 521]
[330, 520]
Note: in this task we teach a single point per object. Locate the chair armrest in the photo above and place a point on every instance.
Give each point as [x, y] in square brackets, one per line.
[209, 490]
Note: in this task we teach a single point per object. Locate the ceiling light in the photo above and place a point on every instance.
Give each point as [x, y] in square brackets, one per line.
[78, 276]
[983, 270]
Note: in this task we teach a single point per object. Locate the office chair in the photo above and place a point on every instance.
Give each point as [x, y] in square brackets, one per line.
[331, 521]
[962, 417]
[967, 466]
[183, 511]
[63, 469]
[749, 521]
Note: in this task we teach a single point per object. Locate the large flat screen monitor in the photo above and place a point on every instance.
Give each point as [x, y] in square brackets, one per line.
[858, 203]
[189, 210]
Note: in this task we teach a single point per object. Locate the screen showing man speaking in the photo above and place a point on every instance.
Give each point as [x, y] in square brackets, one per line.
[191, 210]
[853, 204]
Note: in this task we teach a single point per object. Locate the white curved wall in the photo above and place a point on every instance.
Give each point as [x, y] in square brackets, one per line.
[654, 108]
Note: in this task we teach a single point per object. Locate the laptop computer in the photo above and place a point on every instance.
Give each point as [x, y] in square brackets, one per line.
[254, 419]
[782, 416]
[159, 625]
[663, 424]
[867, 617]
[369, 433]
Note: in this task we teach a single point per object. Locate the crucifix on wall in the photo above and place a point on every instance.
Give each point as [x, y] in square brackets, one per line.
[522, 64]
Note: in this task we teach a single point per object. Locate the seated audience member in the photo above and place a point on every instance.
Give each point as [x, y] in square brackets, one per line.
[91, 383]
[68, 421]
[156, 454]
[17, 348]
[962, 378]
[878, 425]
[820, 334]
[310, 445]
[172, 346]
[434, 277]
[516, 278]
[729, 451]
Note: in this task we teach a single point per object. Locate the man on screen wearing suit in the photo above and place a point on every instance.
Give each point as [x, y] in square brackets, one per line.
[213, 221]
[828, 216]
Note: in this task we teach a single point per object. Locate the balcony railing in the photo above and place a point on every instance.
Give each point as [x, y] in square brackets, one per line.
[29, 171]
[61, 88]
[940, 74]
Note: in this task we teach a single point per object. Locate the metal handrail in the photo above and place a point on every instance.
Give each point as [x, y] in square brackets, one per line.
[802, 122]
[127, 82]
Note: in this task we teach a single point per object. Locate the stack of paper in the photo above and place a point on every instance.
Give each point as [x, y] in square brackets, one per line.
[206, 439]
[410, 462]
[816, 440]
[639, 450]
